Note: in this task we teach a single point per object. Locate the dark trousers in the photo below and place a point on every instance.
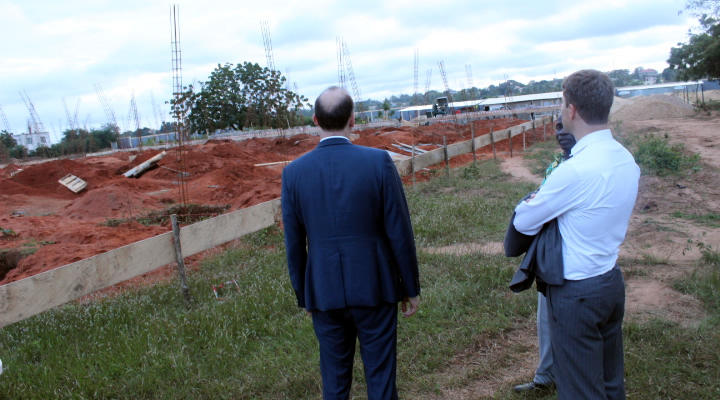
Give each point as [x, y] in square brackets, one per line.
[586, 333]
[376, 330]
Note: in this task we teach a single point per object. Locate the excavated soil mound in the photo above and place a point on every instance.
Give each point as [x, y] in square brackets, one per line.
[618, 104]
[43, 178]
[654, 107]
[116, 200]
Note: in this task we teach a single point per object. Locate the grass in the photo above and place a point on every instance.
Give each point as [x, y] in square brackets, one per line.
[711, 220]
[256, 344]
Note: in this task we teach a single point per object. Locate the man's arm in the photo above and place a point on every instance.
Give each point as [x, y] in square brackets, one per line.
[295, 243]
[560, 193]
[399, 229]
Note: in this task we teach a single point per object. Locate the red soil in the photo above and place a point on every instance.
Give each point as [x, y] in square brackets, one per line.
[66, 227]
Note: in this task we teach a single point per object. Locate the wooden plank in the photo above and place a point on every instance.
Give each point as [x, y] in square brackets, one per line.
[224, 228]
[24, 298]
[33, 295]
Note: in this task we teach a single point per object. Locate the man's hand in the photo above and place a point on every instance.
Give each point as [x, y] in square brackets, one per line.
[414, 303]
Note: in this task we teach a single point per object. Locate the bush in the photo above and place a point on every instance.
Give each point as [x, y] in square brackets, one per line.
[655, 156]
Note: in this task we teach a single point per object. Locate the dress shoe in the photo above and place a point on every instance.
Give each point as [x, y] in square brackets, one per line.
[530, 386]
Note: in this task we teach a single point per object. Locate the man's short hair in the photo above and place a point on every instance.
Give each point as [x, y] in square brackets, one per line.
[592, 94]
[333, 110]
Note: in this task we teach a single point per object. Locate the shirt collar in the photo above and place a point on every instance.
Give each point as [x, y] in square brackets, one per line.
[335, 137]
[589, 139]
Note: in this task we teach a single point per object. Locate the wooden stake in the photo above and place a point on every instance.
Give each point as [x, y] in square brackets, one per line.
[472, 140]
[492, 142]
[523, 133]
[447, 159]
[180, 261]
[412, 165]
[510, 139]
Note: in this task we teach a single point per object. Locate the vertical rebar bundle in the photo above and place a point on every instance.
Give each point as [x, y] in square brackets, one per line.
[268, 45]
[179, 109]
[5, 121]
[106, 107]
[341, 63]
[351, 75]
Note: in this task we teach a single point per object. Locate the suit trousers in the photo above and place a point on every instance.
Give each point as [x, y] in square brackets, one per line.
[376, 330]
[543, 373]
[586, 332]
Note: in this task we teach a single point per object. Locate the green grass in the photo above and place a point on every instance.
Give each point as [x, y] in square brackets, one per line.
[256, 344]
[711, 220]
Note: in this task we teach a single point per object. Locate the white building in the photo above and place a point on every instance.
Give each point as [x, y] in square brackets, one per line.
[33, 140]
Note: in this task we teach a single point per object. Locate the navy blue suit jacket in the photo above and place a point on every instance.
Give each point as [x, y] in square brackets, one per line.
[348, 235]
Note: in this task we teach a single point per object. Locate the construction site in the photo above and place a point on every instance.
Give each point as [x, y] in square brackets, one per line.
[63, 227]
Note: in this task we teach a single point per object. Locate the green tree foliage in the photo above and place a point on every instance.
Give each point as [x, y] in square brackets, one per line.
[238, 97]
[9, 147]
[700, 56]
[79, 141]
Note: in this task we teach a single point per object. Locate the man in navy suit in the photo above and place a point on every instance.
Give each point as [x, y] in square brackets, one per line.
[350, 250]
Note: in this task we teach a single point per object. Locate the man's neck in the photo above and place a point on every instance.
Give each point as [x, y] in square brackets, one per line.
[583, 129]
[345, 133]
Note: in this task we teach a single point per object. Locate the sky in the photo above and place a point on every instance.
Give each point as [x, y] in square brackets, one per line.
[56, 53]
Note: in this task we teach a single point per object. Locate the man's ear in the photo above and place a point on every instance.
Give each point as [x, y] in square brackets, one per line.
[572, 111]
[352, 120]
[315, 120]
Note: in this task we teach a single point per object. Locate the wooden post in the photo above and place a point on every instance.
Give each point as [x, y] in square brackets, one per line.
[492, 142]
[544, 129]
[472, 140]
[412, 164]
[179, 256]
[510, 139]
[523, 133]
[447, 159]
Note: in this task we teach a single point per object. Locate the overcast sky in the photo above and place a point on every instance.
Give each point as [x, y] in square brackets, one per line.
[61, 49]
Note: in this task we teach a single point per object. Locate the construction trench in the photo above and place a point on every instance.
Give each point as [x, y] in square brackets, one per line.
[45, 225]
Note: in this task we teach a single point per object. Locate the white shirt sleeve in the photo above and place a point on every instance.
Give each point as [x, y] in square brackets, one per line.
[561, 192]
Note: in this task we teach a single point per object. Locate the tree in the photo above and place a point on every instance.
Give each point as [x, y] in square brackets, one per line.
[7, 144]
[700, 7]
[239, 97]
[700, 56]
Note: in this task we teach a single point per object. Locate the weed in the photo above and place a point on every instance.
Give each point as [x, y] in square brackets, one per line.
[711, 219]
[656, 156]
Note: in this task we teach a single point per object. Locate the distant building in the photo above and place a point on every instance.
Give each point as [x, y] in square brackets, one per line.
[33, 140]
[649, 75]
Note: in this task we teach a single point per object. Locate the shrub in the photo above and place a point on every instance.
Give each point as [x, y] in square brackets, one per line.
[655, 156]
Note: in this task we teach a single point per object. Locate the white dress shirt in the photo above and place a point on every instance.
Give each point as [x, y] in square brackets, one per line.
[592, 195]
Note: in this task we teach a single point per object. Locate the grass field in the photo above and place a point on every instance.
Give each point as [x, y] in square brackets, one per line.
[256, 344]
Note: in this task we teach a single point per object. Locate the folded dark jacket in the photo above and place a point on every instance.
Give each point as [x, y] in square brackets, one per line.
[543, 256]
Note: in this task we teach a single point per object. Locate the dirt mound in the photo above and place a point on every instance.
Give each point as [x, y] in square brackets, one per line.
[713, 95]
[43, 178]
[117, 200]
[618, 104]
[658, 106]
